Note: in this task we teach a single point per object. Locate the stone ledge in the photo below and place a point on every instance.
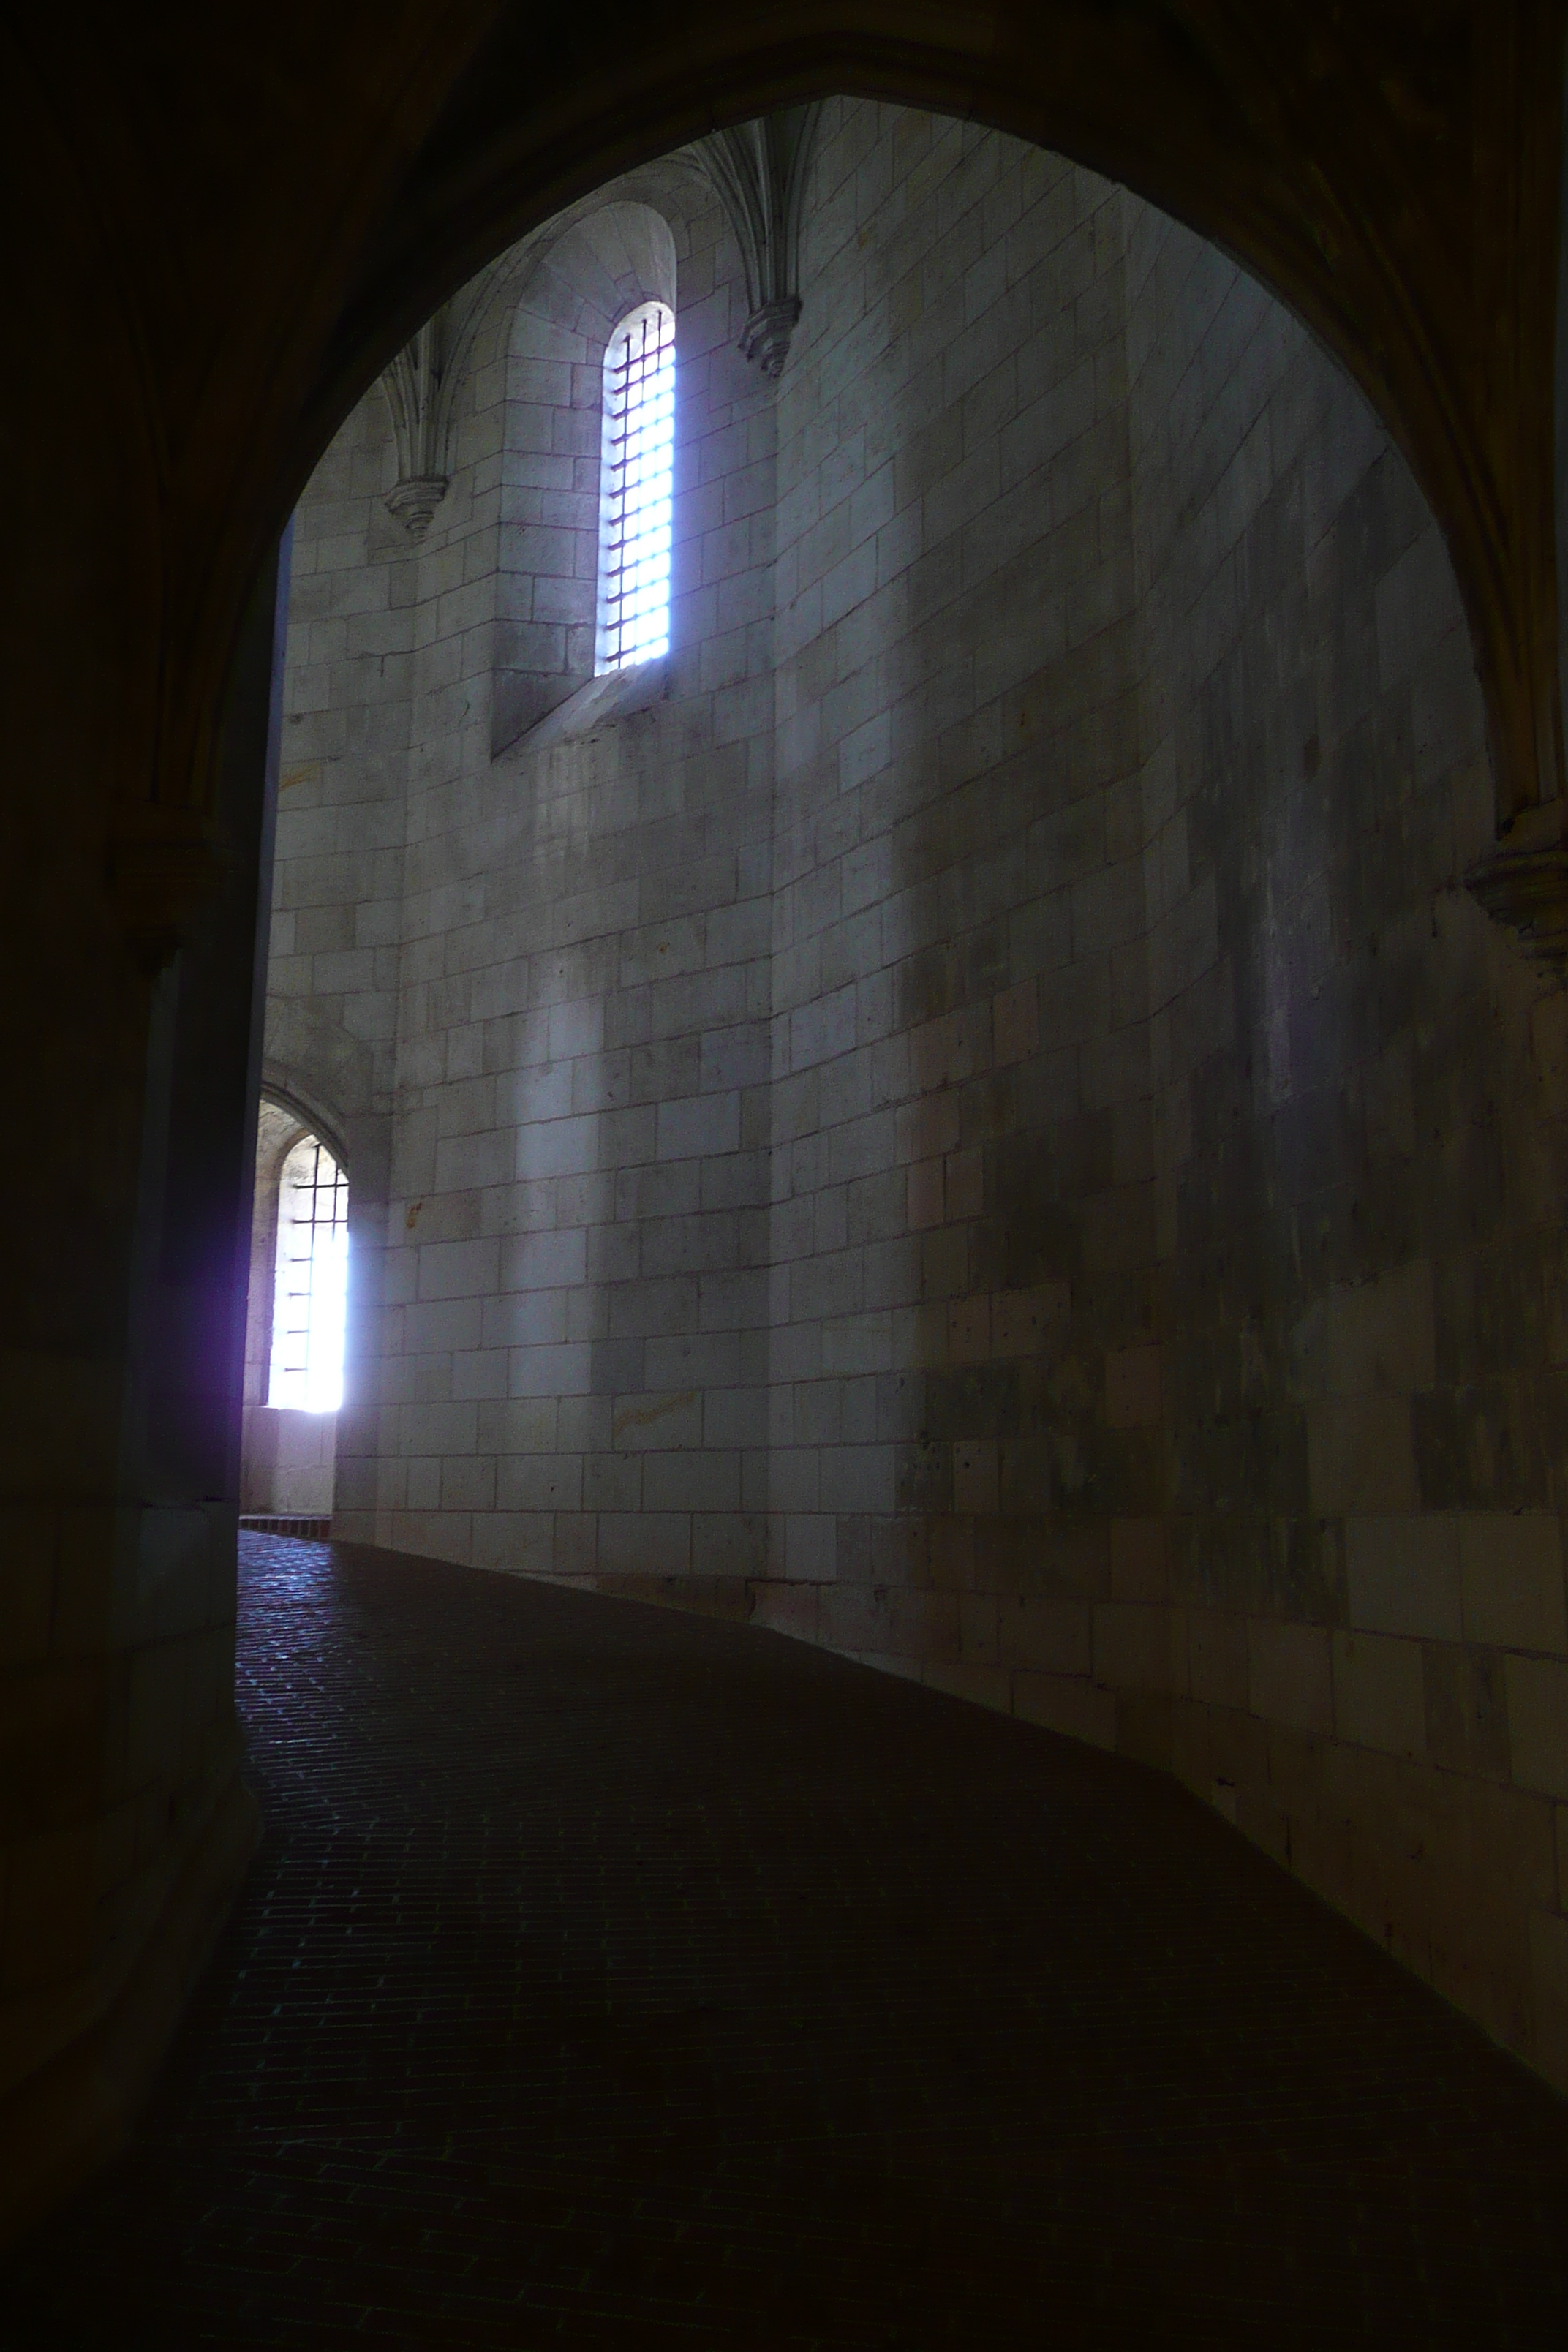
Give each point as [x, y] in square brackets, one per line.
[599, 703]
[74, 2112]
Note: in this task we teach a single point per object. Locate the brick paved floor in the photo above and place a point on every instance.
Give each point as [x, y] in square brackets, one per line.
[610, 1977]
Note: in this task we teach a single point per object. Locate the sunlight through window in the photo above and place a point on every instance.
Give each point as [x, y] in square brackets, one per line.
[311, 1299]
[636, 502]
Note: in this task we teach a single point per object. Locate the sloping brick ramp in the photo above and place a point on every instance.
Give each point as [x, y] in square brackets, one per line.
[614, 1978]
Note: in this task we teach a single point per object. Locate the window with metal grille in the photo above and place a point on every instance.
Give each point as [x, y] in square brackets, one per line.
[311, 1296]
[635, 503]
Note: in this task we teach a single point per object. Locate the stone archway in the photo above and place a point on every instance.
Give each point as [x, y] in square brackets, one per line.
[234, 228]
[1403, 202]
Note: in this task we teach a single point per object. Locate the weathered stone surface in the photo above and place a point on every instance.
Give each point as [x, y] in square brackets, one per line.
[984, 1127]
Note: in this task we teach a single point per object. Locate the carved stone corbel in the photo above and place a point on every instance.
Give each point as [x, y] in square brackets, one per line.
[414, 499]
[1527, 890]
[418, 388]
[759, 169]
[765, 341]
[1524, 884]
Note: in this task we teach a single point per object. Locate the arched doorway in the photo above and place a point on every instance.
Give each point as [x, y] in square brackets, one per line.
[1389, 184]
[881, 1161]
[296, 1305]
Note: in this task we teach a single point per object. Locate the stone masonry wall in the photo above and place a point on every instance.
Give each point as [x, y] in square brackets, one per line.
[960, 1039]
[569, 1349]
[337, 906]
[982, 1127]
[1357, 1649]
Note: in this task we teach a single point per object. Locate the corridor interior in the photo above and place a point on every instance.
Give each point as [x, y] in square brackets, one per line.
[909, 1052]
[903, 1637]
[613, 1978]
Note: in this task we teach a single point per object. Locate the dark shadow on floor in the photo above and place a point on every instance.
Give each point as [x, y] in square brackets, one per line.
[613, 1977]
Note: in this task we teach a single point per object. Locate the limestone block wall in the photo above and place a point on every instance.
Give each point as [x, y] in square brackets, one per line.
[338, 873]
[571, 1356]
[960, 1166]
[578, 1320]
[1357, 1643]
[980, 1126]
[354, 616]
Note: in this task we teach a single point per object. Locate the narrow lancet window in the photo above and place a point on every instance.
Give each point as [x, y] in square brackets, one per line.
[635, 504]
[311, 1295]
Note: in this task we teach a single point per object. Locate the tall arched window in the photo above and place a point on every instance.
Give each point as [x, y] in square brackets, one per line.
[635, 503]
[311, 1295]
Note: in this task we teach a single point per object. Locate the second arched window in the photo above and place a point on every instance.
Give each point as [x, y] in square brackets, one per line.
[310, 1293]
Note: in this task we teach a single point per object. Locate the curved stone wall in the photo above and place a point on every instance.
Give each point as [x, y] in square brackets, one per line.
[981, 1127]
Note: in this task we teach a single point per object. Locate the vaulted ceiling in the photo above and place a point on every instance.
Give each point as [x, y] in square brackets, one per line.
[226, 220]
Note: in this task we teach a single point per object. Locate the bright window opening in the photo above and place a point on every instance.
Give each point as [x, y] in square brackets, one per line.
[311, 1300]
[636, 502]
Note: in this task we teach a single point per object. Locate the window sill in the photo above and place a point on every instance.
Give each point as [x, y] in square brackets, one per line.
[599, 703]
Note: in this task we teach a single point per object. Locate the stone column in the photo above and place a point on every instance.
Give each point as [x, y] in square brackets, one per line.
[124, 1827]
